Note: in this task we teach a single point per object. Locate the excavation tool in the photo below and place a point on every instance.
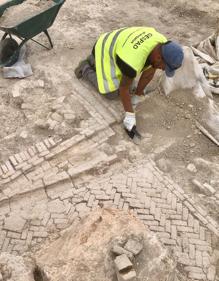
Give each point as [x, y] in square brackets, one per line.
[134, 135]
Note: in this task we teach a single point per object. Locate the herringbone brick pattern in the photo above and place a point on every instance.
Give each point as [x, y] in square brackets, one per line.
[161, 205]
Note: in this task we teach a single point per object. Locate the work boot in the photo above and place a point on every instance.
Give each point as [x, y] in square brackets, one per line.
[82, 66]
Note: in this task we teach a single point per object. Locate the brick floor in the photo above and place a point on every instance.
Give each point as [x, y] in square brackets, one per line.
[43, 192]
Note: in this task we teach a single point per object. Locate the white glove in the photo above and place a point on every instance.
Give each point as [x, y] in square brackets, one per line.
[129, 121]
[135, 100]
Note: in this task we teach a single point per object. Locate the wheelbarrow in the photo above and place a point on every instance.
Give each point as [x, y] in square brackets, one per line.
[29, 28]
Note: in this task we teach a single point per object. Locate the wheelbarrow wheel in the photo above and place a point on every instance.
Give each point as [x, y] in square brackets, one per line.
[9, 51]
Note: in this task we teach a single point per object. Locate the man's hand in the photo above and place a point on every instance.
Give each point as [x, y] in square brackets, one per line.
[129, 121]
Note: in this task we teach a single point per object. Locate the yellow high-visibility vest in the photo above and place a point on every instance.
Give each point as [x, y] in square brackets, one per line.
[132, 44]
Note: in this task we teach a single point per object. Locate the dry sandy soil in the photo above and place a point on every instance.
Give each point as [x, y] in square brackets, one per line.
[167, 123]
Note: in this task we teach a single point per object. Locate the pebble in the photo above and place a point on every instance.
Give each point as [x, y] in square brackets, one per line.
[191, 168]
[188, 116]
[192, 145]
[24, 134]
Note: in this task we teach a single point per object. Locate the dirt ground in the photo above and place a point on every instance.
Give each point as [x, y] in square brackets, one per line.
[167, 123]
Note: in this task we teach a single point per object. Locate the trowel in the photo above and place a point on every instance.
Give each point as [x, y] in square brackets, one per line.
[134, 135]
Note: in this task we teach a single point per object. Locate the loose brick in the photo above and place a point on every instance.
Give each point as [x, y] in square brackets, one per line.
[122, 262]
[133, 246]
[119, 251]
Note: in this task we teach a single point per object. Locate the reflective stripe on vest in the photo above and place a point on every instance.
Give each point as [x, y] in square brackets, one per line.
[105, 62]
[133, 45]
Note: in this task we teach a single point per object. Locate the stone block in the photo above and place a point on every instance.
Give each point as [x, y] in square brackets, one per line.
[133, 246]
[120, 251]
[122, 263]
[129, 276]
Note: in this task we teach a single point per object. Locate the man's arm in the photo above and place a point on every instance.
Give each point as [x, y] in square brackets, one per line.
[124, 87]
[145, 78]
